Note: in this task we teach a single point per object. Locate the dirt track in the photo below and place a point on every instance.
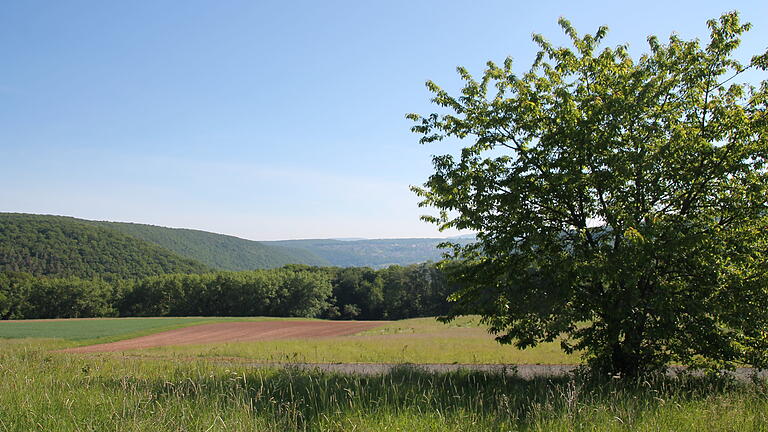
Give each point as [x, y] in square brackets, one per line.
[236, 332]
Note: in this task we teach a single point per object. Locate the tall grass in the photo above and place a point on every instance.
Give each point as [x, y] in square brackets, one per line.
[44, 391]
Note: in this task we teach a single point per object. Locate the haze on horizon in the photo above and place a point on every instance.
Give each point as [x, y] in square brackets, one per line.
[264, 120]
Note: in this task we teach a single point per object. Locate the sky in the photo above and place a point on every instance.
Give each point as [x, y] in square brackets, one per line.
[265, 119]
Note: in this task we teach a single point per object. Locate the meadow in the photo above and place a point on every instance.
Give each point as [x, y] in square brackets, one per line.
[193, 391]
[416, 340]
[96, 330]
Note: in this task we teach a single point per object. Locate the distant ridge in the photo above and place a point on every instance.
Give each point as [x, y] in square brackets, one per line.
[375, 253]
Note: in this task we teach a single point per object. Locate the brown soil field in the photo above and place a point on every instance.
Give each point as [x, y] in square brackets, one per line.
[236, 332]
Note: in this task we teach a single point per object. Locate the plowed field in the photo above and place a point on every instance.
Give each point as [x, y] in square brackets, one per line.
[236, 332]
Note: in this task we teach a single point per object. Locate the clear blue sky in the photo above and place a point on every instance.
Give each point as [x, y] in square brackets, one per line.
[263, 119]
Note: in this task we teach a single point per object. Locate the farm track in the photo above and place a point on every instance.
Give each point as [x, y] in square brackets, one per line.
[236, 332]
[524, 371]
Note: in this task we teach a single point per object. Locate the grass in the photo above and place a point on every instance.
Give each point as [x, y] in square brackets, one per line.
[101, 330]
[45, 391]
[83, 329]
[370, 349]
[420, 340]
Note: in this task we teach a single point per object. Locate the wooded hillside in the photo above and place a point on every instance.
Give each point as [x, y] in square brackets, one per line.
[217, 250]
[61, 246]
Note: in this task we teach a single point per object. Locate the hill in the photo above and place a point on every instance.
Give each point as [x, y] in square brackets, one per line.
[234, 253]
[63, 246]
[373, 253]
[217, 250]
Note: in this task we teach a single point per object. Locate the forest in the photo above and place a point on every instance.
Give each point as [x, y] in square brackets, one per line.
[60, 246]
[61, 267]
[395, 292]
[64, 247]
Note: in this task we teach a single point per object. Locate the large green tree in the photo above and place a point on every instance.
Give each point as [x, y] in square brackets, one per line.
[620, 203]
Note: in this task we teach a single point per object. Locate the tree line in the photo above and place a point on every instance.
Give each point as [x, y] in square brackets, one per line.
[292, 291]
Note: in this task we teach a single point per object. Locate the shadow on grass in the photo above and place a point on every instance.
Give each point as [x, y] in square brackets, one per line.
[298, 399]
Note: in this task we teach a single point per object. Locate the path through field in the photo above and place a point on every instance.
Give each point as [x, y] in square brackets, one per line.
[236, 332]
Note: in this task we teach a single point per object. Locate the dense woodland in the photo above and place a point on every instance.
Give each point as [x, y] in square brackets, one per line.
[217, 250]
[297, 290]
[58, 246]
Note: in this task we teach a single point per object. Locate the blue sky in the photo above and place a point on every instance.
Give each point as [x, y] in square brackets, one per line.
[263, 119]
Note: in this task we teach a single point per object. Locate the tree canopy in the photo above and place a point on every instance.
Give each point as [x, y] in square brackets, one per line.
[61, 246]
[298, 290]
[620, 203]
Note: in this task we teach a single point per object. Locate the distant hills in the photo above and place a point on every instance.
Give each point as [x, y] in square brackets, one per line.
[65, 246]
[373, 253]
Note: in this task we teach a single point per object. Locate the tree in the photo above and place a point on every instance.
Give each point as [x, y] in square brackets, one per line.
[620, 203]
[70, 297]
[15, 288]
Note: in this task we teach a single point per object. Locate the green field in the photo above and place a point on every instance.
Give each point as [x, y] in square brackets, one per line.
[48, 391]
[418, 340]
[86, 331]
[82, 329]
[188, 389]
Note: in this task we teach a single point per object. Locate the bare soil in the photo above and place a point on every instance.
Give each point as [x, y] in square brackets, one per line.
[236, 332]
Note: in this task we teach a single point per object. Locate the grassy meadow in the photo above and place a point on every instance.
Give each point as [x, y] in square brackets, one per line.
[189, 389]
[90, 329]
[417, 340]
[48, 391]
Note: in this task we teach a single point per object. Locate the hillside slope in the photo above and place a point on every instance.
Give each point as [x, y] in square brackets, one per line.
[217, 250]
[63, 246]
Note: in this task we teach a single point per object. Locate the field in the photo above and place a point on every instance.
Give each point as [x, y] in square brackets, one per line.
[188, 388]
[96, 330]
[235, 331]
[419, 340]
